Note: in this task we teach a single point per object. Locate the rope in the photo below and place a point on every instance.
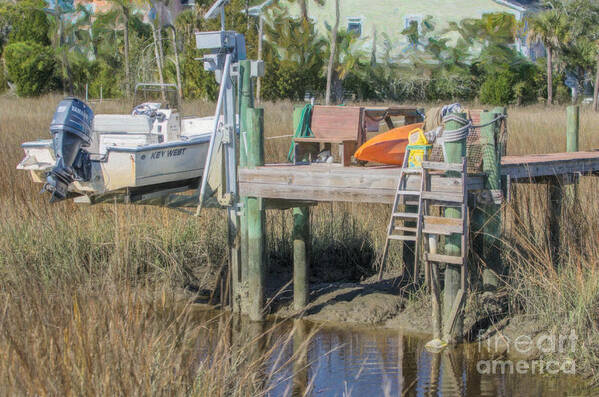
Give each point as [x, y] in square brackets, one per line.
[500, 117]
[303, 130]
[458, 134]
[463, 132]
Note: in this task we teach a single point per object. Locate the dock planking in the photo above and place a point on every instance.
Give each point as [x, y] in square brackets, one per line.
[532, 166]
[377, 184]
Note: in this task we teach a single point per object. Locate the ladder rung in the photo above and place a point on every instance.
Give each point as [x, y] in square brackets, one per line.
[409, 192]
[443, 196]
[412, 170]
[406, 229]
[405, 215]
[433, 165]
[402, 237]
[454, 260]
[445, 230]
[440, 220]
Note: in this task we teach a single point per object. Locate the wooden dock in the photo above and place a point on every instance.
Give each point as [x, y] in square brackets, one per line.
[283, 186]
[333, 182]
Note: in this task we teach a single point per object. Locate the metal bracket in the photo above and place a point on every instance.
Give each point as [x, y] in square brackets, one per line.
[256, 68]
[240, 208]
[235, 70]
[226, 134]
[226, 200]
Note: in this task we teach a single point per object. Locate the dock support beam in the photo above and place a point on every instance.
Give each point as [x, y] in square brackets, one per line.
[491, 212]
[255, 218]
[301, 259]
[454, 151]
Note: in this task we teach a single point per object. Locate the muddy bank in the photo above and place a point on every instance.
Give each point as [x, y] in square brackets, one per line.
[395, 304]
[391, 304]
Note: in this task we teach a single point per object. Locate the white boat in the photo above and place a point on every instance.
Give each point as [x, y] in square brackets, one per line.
[147, 154]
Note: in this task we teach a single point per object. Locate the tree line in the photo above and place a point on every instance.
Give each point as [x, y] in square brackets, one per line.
[60, 49]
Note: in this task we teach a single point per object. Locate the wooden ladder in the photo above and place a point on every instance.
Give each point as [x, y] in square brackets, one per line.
[403, 232]
[435, 226]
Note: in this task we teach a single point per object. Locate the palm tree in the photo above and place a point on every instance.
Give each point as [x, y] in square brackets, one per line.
[304, 7]
[60, 43]
[547, 28]
[157, 35]
[333, 54]
[125, 7]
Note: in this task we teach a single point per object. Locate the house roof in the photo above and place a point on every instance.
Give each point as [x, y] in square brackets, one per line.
[520, 5]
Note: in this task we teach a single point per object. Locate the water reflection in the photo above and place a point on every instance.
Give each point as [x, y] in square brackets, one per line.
[297, 358]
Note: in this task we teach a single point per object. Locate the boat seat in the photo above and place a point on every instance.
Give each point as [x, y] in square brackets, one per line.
[122, 124]
[333, 124]
[122, 130]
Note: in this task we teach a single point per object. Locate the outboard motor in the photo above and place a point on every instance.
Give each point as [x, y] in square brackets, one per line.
[71, 130]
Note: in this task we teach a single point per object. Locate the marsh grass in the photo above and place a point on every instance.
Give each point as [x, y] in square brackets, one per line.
[89, 299]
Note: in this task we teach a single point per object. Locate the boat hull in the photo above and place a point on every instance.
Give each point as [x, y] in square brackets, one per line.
[387, 148]
[123, 168]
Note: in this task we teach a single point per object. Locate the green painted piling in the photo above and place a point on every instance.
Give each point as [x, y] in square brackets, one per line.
[301, 242]
[573, 124]
[491, 211]
[301, 260]
[454, 152]
[255, 219]
[246, 101]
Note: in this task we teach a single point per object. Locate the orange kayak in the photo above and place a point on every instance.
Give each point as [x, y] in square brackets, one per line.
[387, 148]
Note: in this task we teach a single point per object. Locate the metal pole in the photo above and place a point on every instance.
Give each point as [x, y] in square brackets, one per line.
[222, 18]
[260, 38]
[230, 157]
[219, 107]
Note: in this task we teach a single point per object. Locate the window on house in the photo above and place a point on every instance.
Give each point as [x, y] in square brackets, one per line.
[354, 25]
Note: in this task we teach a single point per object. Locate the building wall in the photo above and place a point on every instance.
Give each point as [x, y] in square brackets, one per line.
[97, 6]
[391, 17]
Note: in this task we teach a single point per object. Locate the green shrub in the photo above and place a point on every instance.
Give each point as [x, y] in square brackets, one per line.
[197, 82]
[24, 21]
[288, 79]
[497, 89]
[450, 86]
[31, 67]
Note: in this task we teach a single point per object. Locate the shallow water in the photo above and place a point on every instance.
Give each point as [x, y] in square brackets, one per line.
[313, 360]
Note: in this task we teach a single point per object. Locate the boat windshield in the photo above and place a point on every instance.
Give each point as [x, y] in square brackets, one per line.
[165, 94]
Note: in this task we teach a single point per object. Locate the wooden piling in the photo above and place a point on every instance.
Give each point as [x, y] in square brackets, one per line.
[255, 218]
[301, 260]
[572, 136]
[555, 203]
[557, 184]
[454, 152]
[491, 211]
[246, 101]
